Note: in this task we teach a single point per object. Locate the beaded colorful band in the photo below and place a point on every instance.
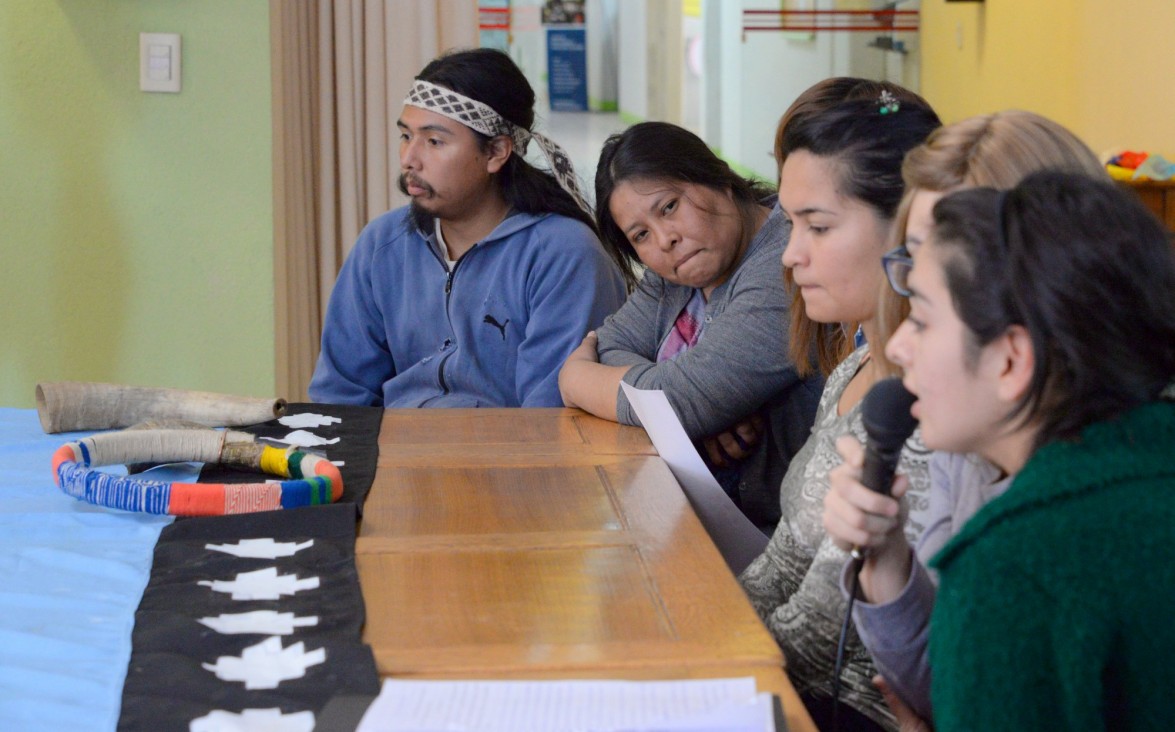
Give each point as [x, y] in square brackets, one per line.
[315, 480]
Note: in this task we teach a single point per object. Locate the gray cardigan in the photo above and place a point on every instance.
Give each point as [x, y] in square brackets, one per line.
[739, 366]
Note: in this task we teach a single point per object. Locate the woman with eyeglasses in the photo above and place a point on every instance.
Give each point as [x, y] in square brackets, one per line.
[1042, 337]
[995, 150]
[896, 590]
[840, 185]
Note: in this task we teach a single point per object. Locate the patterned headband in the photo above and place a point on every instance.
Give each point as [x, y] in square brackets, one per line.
[482, 118]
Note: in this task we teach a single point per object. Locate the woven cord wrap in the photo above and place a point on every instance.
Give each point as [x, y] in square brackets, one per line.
[315, 479]
[482, 117]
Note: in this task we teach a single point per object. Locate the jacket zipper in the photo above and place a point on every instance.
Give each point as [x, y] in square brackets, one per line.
[448, 292]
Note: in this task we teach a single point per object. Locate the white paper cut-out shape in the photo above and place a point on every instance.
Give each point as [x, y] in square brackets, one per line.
[266, 664]
[261, 548]
[302, 438]
[308, 420]
[270, 622]
[262, 584]
[253, 720]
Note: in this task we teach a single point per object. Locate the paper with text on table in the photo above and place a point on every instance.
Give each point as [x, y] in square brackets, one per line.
[715, 705]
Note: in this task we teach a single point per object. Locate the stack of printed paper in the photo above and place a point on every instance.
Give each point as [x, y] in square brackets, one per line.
[717, 705]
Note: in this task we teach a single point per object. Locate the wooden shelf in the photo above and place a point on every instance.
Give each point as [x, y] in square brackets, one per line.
[1158, 196]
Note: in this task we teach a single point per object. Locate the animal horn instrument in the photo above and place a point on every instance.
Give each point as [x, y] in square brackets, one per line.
[67, 406]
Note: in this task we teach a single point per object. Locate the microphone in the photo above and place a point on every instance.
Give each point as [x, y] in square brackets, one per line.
[885, 412]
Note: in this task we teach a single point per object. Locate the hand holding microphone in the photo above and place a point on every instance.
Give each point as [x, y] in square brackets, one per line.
[885, 412]
[858, 510]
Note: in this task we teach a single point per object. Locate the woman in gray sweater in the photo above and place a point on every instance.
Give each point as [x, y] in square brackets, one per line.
[706, 323]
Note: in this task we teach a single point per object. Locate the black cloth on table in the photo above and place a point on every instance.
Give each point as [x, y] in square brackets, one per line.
[167, 687]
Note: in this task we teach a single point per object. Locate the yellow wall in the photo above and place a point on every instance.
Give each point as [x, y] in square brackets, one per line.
[1130, 100]
[135, 229]
[1097, 66]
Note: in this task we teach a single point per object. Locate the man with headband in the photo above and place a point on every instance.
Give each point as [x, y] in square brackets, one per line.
[475, 293]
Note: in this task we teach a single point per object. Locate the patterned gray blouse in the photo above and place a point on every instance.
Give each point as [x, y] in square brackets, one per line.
[795, 584]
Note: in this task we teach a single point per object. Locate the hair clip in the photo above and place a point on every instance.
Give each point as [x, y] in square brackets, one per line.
[889, 103]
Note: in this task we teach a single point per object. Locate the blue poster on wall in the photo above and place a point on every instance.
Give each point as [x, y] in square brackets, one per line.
[567, 68]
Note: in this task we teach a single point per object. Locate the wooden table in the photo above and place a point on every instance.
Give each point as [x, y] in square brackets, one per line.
[546, 543]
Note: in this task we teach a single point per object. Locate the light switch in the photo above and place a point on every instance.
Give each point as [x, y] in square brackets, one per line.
[159, 62]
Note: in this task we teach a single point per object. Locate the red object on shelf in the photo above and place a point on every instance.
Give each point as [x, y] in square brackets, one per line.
[1130, 159]
[813, 21]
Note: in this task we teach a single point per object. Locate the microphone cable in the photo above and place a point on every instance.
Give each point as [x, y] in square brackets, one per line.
[886, 418]
[838, 669]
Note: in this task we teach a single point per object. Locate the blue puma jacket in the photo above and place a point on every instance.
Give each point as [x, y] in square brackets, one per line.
[402, 330]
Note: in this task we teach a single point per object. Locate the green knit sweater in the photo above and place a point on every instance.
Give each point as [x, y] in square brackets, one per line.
[1057, 601]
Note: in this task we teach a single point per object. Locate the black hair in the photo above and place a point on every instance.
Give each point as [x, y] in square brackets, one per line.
[831, 91]
[660, 151]
[1087, 271]
[866, 147]
[492, 78]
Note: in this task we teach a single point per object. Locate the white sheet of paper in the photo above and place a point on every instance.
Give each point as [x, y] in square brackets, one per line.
[669, 437]
[739, 540]
[730, 705]
[308, 419]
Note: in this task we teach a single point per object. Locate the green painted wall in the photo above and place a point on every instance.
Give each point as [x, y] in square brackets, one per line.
[136, 229]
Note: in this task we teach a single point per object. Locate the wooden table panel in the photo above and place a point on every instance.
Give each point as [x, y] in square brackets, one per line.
[532, 494]
[631, 577]
[415, 434]
[531, 596]
[477, 500]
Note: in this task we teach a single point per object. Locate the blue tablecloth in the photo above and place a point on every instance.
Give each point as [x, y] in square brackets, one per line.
[71, 576]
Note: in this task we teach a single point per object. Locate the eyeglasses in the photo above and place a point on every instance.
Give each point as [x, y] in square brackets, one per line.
[897, 264]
